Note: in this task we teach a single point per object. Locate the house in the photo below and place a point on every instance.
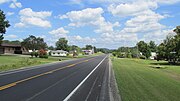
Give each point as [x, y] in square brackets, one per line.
[153, 55]
[12, 49]
[88, 52]
[59, 53]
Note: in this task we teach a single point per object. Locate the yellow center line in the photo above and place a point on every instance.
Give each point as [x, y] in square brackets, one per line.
[39, 75]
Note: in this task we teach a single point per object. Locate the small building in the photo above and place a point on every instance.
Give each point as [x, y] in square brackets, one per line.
[88, 52]
[153, 55]
[12, 49]
[59, 53]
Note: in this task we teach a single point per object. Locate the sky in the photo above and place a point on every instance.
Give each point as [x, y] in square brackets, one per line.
[102, 23]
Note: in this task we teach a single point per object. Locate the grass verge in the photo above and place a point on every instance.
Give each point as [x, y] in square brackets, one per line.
[9, 62]
[137, 81]
[15, 62]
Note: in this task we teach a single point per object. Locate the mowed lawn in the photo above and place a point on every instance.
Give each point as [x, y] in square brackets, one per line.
[14, 62]
[138, 81]
[8, 62]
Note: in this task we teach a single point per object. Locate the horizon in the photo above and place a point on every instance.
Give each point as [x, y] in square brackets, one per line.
[104, 24]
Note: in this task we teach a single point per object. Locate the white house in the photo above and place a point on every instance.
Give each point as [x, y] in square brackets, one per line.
[59, 53]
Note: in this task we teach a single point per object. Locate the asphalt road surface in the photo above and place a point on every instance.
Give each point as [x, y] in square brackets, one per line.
[76, 80]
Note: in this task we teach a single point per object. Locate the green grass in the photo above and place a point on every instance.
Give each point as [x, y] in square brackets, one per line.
[8, 62]
[137, 81]
[15, 62]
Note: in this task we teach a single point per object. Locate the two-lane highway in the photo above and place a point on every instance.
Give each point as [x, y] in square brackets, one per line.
[76, 80]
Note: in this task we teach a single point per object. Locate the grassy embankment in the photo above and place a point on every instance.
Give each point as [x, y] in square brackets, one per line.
[138, 81]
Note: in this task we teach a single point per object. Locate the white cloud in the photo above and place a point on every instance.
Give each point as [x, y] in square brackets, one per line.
[167, 1]
[131, 9]
[29, 17]
[10, 13]
[90, 17]
[158, 35]
[76, 1]
[84, 17]
[29, 13]
[118, 38]
[15, 4]
[129, 1]
[81, 40]
[60, 32]
[11, 36]
[144, 23]
[20, 24]
[4, 1]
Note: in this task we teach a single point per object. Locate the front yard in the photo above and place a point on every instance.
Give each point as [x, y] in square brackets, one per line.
[138, 81]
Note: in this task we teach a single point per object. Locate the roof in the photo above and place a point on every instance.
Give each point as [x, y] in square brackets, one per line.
[10, 45]
[59, 51]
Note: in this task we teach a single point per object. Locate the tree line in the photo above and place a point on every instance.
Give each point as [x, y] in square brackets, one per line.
[168, 50]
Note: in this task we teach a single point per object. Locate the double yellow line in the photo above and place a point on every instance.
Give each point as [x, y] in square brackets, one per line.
[39, 75]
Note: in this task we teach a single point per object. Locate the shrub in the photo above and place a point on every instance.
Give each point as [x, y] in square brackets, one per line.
[50, 53]
[43, 54]
[128, 55]
[32, 54]
[142, 57]
[36, 54]
[114, 53]
[120, 55]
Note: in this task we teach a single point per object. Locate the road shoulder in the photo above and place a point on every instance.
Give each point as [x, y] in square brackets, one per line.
[114, 93]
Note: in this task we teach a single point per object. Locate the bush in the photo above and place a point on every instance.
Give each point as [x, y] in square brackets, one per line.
[142, 57]
[120, 55]
[128, 55]
[36, 54]
[114, 53]
[32, 54]
[43, 54]
[50, 53]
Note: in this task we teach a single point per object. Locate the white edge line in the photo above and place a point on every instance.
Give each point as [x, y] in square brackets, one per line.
[69, 96]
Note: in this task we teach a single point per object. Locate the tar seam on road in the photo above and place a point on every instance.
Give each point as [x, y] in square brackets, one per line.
[69, 96]
[39, 75]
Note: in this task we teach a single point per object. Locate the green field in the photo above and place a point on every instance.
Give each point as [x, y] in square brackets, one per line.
[138, 81]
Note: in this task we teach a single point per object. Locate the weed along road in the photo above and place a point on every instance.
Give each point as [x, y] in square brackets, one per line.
[75, 80]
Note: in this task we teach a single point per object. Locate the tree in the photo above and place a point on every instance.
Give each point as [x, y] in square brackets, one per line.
[144, 48]
[62, 44]
[11, 42]
[75, 49]
[3, 25]
[34, 43]
[152, 46]
[95, 49]
[176, 42]
[89, 47]
[170, 48]
[177, 30]
[51, 48]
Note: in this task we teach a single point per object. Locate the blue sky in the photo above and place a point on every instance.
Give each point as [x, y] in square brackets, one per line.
[103, 23]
